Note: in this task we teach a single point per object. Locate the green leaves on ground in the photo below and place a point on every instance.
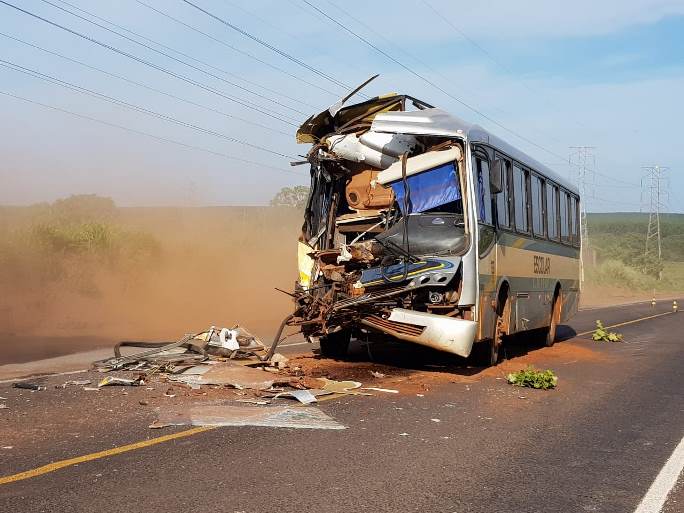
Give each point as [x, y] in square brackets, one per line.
[533, 378]
[603, 335]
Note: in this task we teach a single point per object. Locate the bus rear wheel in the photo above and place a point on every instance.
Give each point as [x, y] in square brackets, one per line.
[550, 338]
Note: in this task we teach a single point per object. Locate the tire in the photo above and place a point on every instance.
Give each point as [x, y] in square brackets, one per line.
[550, 337]
[491, 352]
[335, 345]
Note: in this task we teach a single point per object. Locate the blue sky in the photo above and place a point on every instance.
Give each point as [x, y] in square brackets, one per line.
[607, 74]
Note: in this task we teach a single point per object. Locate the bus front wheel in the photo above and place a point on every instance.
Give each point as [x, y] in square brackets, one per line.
[335, 345]
[492, 350]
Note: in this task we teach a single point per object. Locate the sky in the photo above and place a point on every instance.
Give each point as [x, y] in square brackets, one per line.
[199, 113]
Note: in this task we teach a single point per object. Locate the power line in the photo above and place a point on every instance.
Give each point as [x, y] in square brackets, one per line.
[430, 82]
[271, 47]
[420, 61]
[148, 63]
[242, 52]
[148, 47]
[149, 88]
[192, 59]
[132, 106]
[146, 134]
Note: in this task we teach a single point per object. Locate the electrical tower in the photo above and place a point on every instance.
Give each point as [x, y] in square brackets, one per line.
[652, 185]
[584, 162]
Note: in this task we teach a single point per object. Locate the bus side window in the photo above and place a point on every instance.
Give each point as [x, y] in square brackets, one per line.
[520, 198]
[564, 218]
[502, 208]
[552, 210]
[575, 221]
[484, 198]
[538, 206]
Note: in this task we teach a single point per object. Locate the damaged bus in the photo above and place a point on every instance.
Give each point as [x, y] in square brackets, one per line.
[431, 230]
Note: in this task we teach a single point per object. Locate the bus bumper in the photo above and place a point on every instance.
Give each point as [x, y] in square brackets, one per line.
[439, 332]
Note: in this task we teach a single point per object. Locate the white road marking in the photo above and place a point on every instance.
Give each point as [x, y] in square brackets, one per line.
[41, 376]
[657, 494]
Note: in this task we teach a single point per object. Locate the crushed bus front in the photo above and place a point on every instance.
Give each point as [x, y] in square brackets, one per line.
[387, 239]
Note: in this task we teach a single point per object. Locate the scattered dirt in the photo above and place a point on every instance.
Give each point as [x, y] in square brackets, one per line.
[412, 370]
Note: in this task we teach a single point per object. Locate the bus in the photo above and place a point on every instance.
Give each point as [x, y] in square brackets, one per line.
[431, 230]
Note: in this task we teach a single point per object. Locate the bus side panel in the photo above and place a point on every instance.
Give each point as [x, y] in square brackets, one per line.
[533, 269]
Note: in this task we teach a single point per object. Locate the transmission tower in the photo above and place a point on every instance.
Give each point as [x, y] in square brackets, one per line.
[584, 162]
[652, 186]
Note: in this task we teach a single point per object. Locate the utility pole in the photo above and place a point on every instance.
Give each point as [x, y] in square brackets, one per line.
[584, 161]
[651, 183]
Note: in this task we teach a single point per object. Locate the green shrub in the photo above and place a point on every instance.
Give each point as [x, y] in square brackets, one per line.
[603, 335]
[533, 378]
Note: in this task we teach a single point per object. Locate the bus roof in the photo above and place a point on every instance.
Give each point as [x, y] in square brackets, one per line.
[434, 121]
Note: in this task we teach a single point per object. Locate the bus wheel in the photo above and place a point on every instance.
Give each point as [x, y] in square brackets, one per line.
[492, 352]
[555, 320]
[335, 345]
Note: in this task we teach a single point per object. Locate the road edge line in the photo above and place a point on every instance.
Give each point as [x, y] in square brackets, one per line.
[657, 494]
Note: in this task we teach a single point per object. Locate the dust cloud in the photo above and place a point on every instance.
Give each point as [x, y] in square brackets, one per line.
[208, 266]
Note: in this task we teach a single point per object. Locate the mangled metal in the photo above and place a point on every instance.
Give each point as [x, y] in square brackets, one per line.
[386, 227]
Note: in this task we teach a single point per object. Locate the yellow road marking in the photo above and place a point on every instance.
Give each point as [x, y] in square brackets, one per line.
[626, 323]
[51, 467]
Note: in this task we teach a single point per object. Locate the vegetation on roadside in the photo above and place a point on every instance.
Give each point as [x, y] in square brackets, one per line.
[602, 334]
[619, 243]
[533, 378]
[68, 243]
[292, 197]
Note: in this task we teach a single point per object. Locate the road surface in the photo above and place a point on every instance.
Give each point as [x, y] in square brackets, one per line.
[468, 444]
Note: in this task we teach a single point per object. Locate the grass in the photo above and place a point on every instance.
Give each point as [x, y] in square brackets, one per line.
[618, 240]
[68, 243]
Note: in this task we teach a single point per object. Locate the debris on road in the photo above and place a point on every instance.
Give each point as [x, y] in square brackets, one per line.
[377, 374]
[228, 373]
[378, 389]
[191, 349]
[29, 386]
[3, 406]
[227, 415]
[114, 381]
[533, 378]
[340, 387]
[74, 383]
[253, 401]
[303, 396]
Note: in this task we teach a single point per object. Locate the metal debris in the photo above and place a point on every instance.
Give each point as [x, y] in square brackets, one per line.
[74, 382]
[29, 386]
[377, 389]
[228, 373]
[113, 380]
[226, 415]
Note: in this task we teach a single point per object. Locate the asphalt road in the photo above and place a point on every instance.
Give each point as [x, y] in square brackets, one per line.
[595, 443]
